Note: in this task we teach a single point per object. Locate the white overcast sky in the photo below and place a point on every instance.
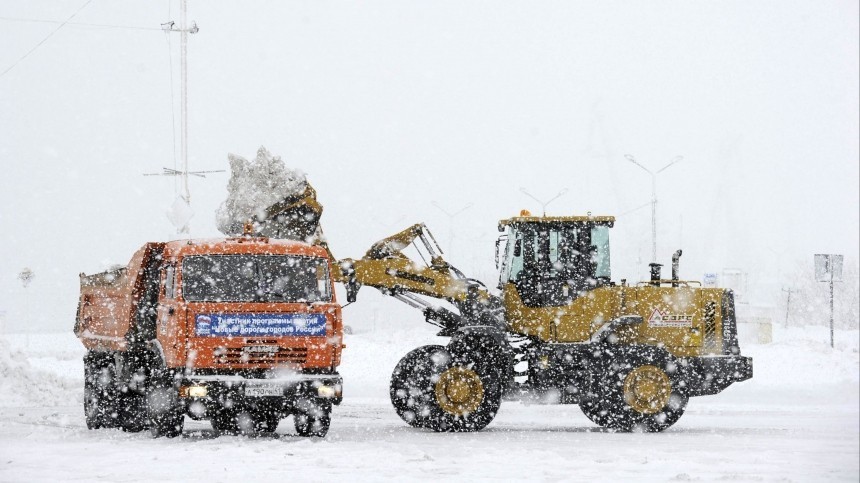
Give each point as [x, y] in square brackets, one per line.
[389, 106]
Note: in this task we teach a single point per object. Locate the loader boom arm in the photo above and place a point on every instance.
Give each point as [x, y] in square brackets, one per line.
[386, 268]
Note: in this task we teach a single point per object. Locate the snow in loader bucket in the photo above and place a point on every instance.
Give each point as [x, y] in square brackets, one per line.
[253, 325]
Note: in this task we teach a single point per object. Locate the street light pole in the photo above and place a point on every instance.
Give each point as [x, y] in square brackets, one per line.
[541, 202]
[653, 199]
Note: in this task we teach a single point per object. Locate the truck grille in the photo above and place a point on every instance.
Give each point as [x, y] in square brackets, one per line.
[247, 355]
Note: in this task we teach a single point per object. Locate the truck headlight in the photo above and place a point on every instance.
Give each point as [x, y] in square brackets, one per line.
[197, 391]
[326, 392]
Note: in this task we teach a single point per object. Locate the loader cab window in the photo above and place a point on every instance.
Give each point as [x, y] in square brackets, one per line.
[512, 265]
[551, 264]
[600, 242]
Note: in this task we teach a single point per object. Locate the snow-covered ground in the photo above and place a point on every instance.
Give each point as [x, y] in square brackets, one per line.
[798, 419]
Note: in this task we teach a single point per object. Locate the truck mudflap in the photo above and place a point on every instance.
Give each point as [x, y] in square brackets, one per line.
[711, 374]
[284, 391]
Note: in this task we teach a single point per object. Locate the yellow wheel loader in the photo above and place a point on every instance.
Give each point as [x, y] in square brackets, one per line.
[561, 331]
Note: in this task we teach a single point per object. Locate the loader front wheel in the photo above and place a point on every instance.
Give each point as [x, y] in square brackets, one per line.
[467, 392]
[411, 385]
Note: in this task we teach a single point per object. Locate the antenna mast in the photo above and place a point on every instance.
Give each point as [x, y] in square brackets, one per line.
[180, 212]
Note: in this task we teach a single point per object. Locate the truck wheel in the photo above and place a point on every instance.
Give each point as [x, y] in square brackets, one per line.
[163, 407]
[100, 393]
[467, 392]
[266, 421]
[410, 389]
[312, 418]
[132, 412]
[641, 395]
[225, 421]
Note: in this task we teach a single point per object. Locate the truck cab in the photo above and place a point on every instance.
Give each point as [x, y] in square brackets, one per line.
[240, 331]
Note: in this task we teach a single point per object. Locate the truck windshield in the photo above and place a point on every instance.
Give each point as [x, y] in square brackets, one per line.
[255, 278]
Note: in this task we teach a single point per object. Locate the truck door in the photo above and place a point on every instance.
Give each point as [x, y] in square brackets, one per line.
[171, 318]
[148, 288]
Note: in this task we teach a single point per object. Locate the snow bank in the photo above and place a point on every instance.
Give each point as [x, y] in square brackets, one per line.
[24, 384]
[254, 186]
[47, 369]
[801, 356]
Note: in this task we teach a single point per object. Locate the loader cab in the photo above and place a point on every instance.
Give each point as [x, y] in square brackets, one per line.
[551, 261]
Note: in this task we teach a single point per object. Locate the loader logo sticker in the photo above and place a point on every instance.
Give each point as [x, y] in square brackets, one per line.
[253, 325]
[677, 321]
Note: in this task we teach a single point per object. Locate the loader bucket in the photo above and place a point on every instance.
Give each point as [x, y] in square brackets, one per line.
[295, 217]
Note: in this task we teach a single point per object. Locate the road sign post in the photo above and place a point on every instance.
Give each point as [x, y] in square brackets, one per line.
[828, 268]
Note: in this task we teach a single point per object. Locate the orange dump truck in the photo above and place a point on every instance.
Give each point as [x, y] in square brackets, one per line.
[240, 331]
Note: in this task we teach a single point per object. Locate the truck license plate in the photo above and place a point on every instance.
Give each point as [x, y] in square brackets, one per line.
[263, 390]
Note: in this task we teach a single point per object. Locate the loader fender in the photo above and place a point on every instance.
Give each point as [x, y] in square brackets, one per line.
[488, 343]
[610, 355]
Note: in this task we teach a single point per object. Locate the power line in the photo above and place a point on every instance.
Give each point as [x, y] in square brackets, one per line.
[46, 38]
[82, 24]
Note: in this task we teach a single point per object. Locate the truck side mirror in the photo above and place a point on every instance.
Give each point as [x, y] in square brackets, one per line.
[518, 248]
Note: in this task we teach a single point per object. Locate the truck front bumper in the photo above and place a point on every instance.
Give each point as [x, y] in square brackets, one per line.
[711, 374]
[280, 391]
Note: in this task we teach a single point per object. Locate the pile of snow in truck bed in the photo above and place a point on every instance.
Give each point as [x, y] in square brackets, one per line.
[254, 186]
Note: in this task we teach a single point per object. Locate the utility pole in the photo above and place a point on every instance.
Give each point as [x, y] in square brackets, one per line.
[787, 303]
[828, 268]
[653, 199]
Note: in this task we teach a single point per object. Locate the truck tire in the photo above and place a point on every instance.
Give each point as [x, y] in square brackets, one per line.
[639, 393]
[100, 392]
[411, 386]
[225, 421]
[163, 406]
[467, 390]
[132, 412]
[312, 418]
[266, 421]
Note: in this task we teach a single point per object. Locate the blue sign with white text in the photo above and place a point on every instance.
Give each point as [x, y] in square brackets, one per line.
[259, 325]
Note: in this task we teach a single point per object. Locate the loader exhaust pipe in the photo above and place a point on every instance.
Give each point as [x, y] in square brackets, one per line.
[675, 258]
[655, 273]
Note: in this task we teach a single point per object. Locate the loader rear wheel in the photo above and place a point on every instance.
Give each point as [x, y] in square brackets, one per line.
[641, 395]
[594, 410]
[411, 384]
